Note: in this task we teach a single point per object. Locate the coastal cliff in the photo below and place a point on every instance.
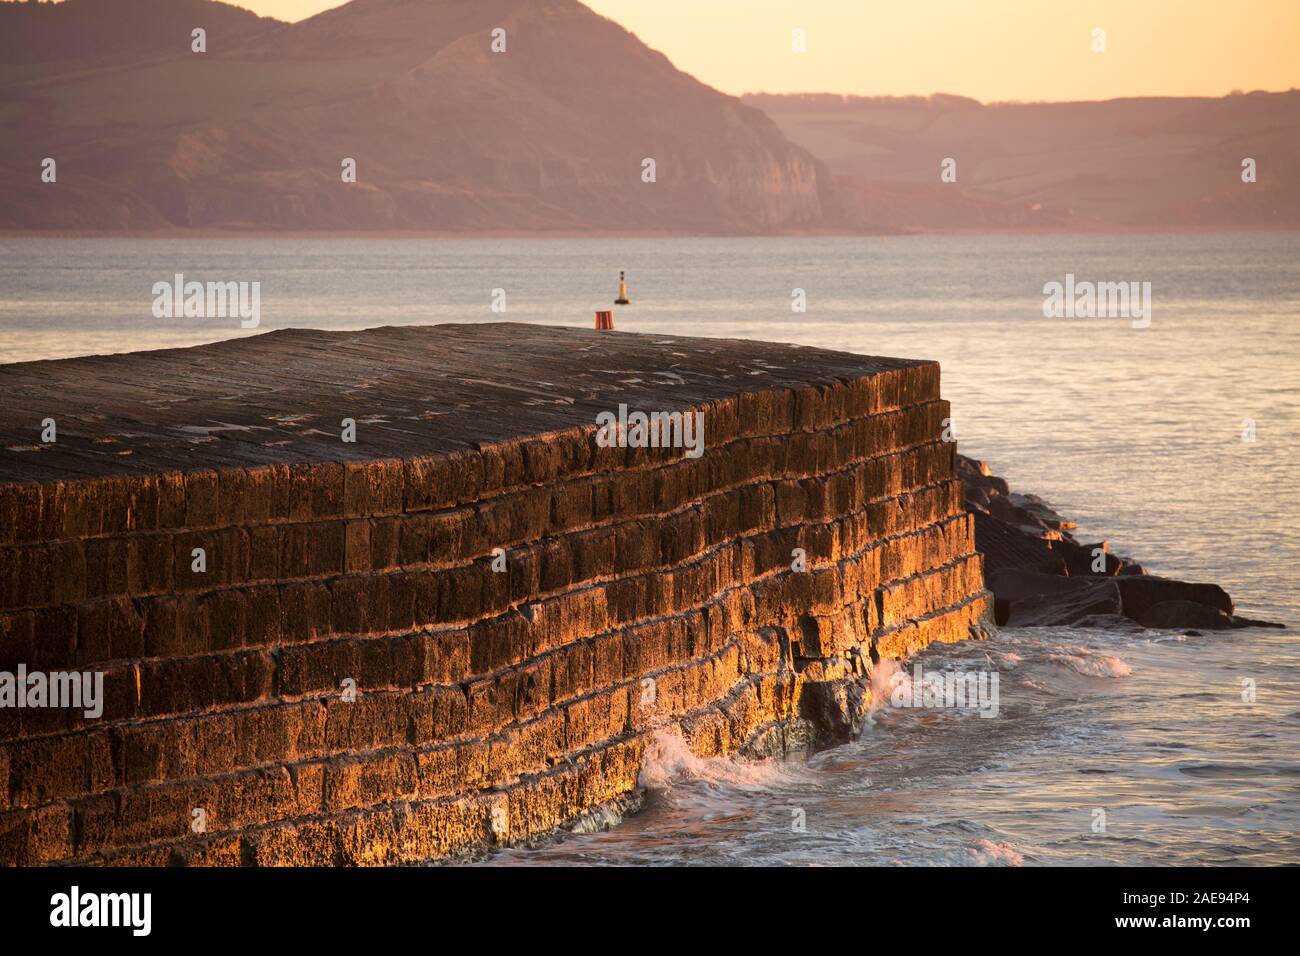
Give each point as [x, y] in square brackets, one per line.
[387, 597]
[459, 116]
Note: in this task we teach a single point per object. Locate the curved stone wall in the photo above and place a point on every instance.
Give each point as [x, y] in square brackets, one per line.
[464, 627]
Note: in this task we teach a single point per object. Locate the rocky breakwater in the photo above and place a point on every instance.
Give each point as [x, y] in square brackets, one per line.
[390, 596]
[1041, 576]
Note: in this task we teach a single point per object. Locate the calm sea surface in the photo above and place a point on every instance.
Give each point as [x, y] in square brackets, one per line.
[1136, 433]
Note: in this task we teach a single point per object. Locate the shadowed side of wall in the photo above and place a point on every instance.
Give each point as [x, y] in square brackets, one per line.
[403, 658]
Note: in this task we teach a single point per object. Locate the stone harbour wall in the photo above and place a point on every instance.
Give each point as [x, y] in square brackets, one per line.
[466, 627]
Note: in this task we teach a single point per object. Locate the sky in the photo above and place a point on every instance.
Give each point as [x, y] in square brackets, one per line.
[991, 50]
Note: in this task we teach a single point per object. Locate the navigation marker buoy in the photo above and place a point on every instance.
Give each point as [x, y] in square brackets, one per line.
[622, 292]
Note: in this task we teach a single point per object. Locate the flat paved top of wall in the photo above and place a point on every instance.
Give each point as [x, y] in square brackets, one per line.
[279, 397]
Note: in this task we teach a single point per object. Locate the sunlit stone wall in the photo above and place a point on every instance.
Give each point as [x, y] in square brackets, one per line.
[465, 626]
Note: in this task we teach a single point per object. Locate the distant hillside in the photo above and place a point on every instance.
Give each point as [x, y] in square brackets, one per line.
[82, 32]
[446, 134]
[1149, 162]
[552, 134]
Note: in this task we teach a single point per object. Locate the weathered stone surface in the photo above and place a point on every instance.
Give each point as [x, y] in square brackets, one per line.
[354, 676]
[1014, 584]
[1142, 593]
[1178, 613]
[1091, 600]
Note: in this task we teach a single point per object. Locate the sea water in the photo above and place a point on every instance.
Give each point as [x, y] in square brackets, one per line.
[1176, 439]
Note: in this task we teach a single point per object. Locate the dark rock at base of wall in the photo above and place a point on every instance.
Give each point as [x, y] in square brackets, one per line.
[1041, 576]
[1143, 594]
[1177, 614]
[836, 709]
[1089, 601]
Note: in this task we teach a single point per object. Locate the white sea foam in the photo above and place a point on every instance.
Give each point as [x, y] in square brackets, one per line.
[988, 853]
[669, 760]
[1091, 663]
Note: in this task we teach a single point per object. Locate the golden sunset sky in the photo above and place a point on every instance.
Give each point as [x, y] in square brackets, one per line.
[986, 49]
